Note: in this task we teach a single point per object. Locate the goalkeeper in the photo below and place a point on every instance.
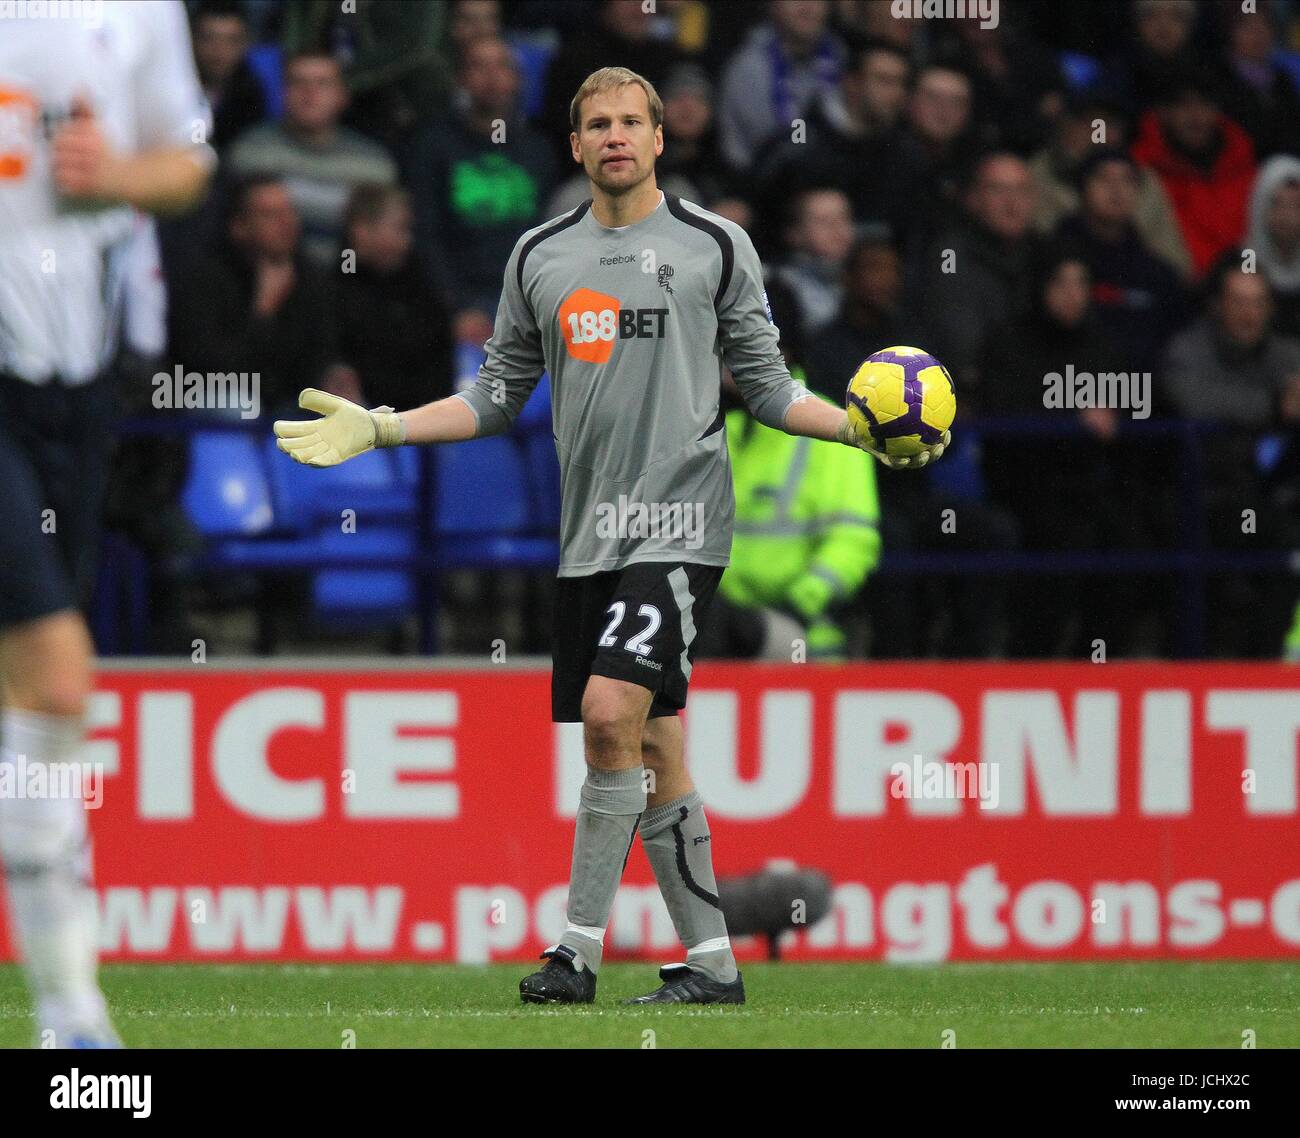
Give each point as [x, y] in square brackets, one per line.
[632, 302]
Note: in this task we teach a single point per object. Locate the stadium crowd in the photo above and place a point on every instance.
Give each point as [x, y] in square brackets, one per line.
[1110, 187]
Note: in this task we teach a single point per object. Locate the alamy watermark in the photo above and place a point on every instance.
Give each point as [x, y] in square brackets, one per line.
[88, 12]
[673, 521]
[1082, 390]
[88, 1091]
[211, 391]
[945, 781]
[20, 779]
[986, 11]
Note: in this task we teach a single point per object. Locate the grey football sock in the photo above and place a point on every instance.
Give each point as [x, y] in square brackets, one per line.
[677, 841]
[608, 809]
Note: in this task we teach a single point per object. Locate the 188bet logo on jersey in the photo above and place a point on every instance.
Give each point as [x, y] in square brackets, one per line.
[591, 321]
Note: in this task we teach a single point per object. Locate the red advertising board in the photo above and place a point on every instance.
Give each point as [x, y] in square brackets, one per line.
[963, 812]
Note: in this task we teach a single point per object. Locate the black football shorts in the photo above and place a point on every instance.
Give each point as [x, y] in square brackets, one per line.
[54, 444]
[638, 623]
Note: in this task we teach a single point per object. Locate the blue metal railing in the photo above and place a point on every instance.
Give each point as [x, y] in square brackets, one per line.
[1191, 563]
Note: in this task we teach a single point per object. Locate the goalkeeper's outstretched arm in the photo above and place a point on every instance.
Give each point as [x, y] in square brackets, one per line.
[819, 420]
[514, 365]
[346, 429]
[449, 420]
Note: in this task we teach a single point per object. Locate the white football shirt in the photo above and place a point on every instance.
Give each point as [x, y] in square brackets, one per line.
[59, 281]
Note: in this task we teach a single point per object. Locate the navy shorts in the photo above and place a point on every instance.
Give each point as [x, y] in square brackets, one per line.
[54, 444]
[637, 624]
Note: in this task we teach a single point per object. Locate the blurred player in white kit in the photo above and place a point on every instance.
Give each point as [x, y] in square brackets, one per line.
[101, 114]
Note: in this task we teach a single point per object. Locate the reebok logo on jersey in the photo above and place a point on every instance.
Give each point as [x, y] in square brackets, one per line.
[619, 259]
[17, 132]
[591, 321]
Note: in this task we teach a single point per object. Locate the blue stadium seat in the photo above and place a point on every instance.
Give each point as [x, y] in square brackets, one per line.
[407, 463]
[496, 506]
[1269, 450]
[536, 415]
[369, 484]
[228, 496]
[534, 55]
[957, 475]
[468, 358]
[267, 61]
[361, 596]
[119, 609]
[226, 493]
[1080, 71]
[1291, 61]
[482, 488]
[484, 513]
[543, 480]
[489, 509]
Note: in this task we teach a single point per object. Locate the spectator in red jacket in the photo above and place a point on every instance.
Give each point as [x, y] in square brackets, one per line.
[1205, 162]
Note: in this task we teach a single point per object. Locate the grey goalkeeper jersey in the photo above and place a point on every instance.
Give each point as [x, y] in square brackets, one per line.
[633, 325]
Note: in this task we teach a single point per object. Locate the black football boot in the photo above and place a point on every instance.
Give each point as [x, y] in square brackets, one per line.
[560, 980]
[682, 985]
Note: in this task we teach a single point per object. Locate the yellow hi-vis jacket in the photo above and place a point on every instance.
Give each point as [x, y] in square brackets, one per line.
[807, 519]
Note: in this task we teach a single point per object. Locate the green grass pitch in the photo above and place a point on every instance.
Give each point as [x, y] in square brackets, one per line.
[1161, 1004]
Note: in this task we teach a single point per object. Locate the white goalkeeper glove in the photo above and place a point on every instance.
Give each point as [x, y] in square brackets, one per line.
[855, 437]
[345, 431]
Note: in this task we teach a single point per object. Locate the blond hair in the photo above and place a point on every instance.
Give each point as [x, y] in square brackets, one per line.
[610, 79]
